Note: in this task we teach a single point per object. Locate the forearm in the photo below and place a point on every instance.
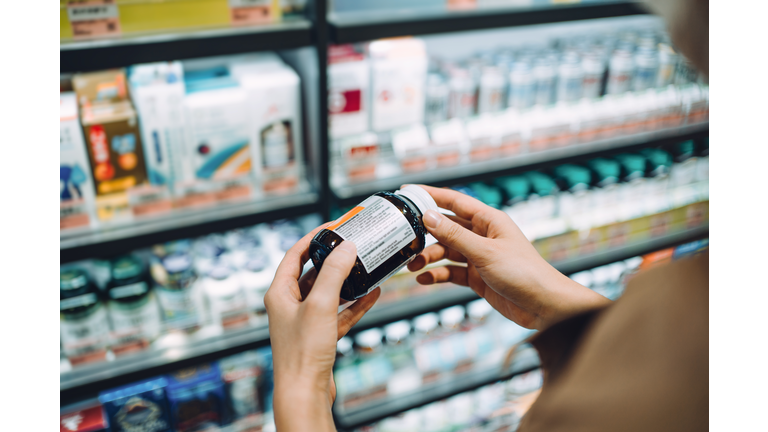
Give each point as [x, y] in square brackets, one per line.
[298, 407]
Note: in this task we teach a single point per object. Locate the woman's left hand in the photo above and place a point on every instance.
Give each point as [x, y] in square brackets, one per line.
[304, 326]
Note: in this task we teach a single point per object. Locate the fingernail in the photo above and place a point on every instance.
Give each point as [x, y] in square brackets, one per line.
[432, 219]
[348, 247]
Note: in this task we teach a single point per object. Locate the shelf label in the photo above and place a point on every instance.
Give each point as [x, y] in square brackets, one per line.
[248, 12]
[93, 18]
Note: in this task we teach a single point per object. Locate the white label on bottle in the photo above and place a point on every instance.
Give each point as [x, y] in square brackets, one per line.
[86, 333]
[179, 306]
[377, 228]
[142, 321]
[82, 300]
[137, 288]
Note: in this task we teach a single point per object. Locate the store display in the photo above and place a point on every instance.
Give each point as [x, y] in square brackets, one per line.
[84, 323]
[386, 229]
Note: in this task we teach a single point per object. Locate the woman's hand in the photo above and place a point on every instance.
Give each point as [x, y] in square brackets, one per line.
[502, 265]
[304, 327]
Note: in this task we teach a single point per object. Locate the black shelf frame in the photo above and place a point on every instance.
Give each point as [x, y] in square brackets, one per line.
[359, 27]
[83, 56]
[320, 29]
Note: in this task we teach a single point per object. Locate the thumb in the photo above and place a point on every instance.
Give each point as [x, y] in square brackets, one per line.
[336, 267]
[456, 237]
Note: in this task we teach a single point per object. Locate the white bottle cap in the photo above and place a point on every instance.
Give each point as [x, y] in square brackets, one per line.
[369, 338]
[479, 309]
[633, 263]
[397, 331]
[425, 323]
[344, 345]
[420, 197]
[452, 316]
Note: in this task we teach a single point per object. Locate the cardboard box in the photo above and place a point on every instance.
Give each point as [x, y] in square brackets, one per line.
[140, 406]
[348, 91]
[75, 181]
[196, 398]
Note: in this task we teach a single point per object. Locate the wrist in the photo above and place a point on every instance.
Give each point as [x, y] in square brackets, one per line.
[299, 406]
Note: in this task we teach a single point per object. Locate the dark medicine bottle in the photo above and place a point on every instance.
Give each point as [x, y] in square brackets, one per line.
[84, 324]
[388, 232]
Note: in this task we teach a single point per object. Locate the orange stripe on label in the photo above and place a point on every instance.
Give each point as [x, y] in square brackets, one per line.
[347, 216]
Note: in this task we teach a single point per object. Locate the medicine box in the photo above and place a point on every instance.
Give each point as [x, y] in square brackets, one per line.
[75, 181]
[141, 406]
[348, 90]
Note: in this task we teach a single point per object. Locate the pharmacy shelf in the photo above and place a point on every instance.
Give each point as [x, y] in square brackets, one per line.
[450, 295]
[350, 27]
[85, 381]
[351, 194]
[111, 241]
[525, 360]
[82, 56]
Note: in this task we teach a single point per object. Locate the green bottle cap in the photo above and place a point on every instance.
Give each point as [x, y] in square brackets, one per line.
[632, 165]
[659, 161]
[126, 267]
[541, 184]
[488, 194]
[683, 150]
[516, 188]
[573, 177]
[72, 278]
[606, 171]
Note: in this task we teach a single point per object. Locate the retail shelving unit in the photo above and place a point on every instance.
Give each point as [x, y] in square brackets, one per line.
[314, 33]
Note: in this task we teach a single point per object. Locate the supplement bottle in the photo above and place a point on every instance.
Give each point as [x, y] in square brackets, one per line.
[388, 232]
[175, 278]
[84, 323]
[133, 308]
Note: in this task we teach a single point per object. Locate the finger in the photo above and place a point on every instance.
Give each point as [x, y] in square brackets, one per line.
[463, 205]
[453, 274]
[336, 268]
[474, 247]
[294, 260]
[306, 282]
[351, 315]
[435, 253]
[461, 221]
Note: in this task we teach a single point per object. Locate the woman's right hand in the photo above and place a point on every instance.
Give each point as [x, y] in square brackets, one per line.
[503, 267]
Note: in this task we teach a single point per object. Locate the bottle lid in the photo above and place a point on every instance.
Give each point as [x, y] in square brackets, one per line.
[607, 171]
[573, 177]
[425, 323]
[420, 197]
[541, 184]
[177, 262]
[479, 309]
[220, 271]
[516, 187]
[72, 279]
[344, 346]
[683, 150]
[369, 338]
[452, 316]
[490, 195]
[632, 165]
[659, 160]
[256, 260]
[397, 331]
[126, 267]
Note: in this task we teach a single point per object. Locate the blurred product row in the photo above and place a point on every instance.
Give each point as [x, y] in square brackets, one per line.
[96, 19]
[160, 137]
[177, 293]
[388, 99]
[233, 394]
[399, 6]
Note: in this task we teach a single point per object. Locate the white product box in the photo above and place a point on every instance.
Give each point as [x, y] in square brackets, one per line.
[411, 147]
[398, 76]
[484, 134]
[348, 89]
[360, 155]
[274, 122]
[448, 142]
[75, 182]
[216, 158]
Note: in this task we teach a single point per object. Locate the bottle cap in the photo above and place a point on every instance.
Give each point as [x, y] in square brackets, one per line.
[344, 346]
[479, 309]
[425, 323]
[177, 262]
[126, 267]
[452, 316]
[584, 278]
[73, 278]
[490, 195]
[420, 197]
[541, 184]
[397, 331]
[369, 338]
[517, 188]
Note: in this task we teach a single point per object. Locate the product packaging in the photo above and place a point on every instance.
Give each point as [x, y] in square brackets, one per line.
[274, 125]
[226, 299]
[448, 142]
[398, 75]
[411, 146]
[360, 156]
[88, 418]
[84, 325]
[510, 127]
[196, 398]
[348, 91]
[177, 291]
[216, 158]
[484, 134]
[158, 91]
[141, 406]
[241, 374]
[76, 183]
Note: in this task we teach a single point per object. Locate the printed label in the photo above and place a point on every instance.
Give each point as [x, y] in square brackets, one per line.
[128, 290]
[133, 329]
[179, 307]
[246, 12]
[83, 300]
[94, 18]
[83, 338]
[377, 228]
